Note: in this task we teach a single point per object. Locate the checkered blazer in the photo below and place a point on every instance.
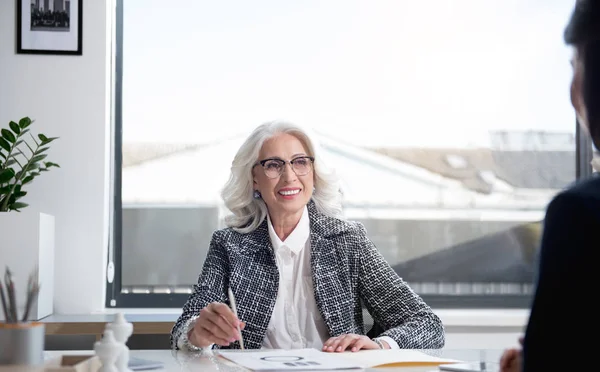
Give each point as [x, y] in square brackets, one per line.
[347, 271]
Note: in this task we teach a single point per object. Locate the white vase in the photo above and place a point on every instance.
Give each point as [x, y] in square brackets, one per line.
[28, 243]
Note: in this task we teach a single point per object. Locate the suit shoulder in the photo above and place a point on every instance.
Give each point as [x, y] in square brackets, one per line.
[225, 234]
[580, 201]
[588, 189]
[586, 192]
[338, 226]
[356, 227]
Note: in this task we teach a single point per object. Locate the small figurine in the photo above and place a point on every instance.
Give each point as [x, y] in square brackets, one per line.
[108, 350]
[121, 330]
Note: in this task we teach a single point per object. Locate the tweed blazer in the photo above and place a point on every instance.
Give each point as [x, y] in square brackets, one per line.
[347, 270]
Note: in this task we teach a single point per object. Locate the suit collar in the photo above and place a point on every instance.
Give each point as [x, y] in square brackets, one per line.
[321, 226]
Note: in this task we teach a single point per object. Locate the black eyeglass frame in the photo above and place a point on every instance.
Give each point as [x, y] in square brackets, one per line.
[290, 162]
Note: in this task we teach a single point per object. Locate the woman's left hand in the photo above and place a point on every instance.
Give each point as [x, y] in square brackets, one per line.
[512, 359]
[351, 342]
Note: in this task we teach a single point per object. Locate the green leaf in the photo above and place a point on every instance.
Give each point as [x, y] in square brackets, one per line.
[42, 137]
[5, 145]
[25, 122]
[33, 166]
[7, 175]
[7, 134]
[37, 158]
[5, 189]
[10, 162]
[26, 180]
[25, 131]
[41, 149]
[19, 195]
[34, 174]
[49, 164]
[48, 140]
[15, 127]
[18, 205]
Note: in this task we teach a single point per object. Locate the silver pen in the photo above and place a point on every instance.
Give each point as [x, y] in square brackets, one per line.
[234, 309]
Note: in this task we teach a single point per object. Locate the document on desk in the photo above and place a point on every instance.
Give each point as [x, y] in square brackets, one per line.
[283, 360]
[395, 358]
[313, 359]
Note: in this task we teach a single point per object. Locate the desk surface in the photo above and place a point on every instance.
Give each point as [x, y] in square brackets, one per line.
[188, 362]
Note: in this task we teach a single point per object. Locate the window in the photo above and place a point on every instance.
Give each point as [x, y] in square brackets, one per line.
[449, 123]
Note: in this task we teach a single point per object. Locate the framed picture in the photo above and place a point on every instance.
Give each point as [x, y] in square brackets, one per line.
[49, 27]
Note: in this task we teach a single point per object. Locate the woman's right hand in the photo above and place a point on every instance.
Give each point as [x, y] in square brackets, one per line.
[216, 324]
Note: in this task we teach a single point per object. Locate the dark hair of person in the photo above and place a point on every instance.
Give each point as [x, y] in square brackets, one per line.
[583, 33]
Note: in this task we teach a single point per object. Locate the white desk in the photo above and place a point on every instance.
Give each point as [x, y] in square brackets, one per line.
[187, 362]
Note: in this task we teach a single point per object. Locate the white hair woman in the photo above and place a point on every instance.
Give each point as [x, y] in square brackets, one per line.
[299, 273]
[240, 192]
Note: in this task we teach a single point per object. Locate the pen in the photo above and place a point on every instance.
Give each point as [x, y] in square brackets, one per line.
[4, 307]
[10, 287]
[234, 309]
[33, 289]
[28, 296]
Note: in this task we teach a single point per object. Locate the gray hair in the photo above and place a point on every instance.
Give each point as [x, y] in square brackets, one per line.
[238, 193]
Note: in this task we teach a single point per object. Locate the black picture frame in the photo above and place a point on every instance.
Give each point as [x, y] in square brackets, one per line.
[56, 29]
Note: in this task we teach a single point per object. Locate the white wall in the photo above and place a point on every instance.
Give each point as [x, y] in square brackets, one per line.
[68, 96]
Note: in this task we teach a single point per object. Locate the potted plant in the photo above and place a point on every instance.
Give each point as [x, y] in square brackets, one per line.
[27, 238]
[20, 150]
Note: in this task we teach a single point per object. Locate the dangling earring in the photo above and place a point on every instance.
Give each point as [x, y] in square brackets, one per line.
[257, 194]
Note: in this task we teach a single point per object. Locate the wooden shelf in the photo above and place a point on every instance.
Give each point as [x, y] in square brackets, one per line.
[94, 324]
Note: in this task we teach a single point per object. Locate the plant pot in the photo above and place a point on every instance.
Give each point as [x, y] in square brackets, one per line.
[27, 243]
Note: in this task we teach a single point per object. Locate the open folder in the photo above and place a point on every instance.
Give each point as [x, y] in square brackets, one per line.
[395, 358]
[313, 359]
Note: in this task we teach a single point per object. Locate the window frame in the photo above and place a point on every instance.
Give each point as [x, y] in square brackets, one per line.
[116, 299]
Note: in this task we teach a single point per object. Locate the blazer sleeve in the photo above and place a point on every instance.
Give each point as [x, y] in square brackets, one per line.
[404, 316]
[211, 287]
[564, 278]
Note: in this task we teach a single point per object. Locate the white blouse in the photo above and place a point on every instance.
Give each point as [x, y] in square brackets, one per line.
[296, 321]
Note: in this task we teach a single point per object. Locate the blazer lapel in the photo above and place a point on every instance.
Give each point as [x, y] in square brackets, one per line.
[254, 281]
[331, 286]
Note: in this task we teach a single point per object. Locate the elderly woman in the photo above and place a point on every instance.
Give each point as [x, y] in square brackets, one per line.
[559, 325]
[299, 273]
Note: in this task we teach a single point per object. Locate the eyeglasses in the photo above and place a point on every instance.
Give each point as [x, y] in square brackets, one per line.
[273, 168]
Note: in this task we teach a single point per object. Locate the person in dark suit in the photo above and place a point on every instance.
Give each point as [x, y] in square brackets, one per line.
[560, 322]
[299, 272]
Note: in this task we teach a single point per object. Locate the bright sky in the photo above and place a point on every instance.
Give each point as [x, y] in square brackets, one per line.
[369, 72]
